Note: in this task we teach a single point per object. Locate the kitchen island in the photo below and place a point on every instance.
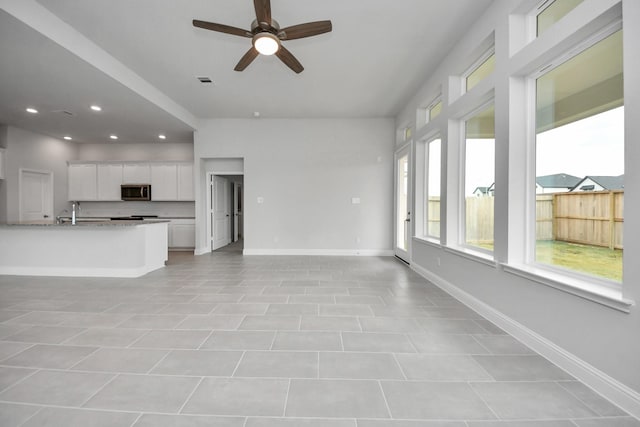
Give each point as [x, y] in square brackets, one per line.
[85, 249]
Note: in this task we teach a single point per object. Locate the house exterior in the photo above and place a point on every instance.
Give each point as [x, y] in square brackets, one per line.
[599, 183]
[556, 183]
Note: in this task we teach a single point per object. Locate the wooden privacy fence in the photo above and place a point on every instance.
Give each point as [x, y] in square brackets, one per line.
[590, 218]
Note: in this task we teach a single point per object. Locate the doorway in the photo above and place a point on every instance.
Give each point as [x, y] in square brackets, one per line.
[226, 217]
[36, 195]
[402, 215]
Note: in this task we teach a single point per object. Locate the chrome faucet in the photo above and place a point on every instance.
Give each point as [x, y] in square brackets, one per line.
[74, 205]
[59, 217]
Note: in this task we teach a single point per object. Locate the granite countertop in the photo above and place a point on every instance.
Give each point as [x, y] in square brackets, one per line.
[85, 223]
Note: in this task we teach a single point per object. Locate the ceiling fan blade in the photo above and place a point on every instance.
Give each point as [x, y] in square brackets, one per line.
[247, 59]
[221, 28]
[305, 30]
[289, 60]
[263, 13]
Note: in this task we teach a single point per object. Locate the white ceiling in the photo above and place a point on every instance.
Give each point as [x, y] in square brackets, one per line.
[144, 76]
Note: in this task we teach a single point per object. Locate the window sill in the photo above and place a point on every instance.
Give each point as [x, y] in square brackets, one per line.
[595, 292]
[476, 256]
[428, 241]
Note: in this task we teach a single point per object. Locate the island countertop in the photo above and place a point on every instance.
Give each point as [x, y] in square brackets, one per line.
[129, 248]
[85, 223]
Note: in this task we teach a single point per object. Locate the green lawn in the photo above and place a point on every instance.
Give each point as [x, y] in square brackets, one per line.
[594, 260]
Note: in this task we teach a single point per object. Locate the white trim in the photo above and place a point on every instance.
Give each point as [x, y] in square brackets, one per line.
[201, 251]
[600, 294]
[473, 255]
[321, 252]
[610, 388]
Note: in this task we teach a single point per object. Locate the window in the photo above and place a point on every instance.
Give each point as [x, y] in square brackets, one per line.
[580, 134]
[480, 72]
[407, 133]
[552, 12]
[479, 172]
[432, 197]
[435, 109]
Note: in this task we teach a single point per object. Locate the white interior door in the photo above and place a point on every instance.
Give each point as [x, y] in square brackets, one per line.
[36, 195]
[236, 210]
[403, 203]
[220, 213]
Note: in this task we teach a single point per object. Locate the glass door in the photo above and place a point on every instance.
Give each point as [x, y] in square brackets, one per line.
[403, 203]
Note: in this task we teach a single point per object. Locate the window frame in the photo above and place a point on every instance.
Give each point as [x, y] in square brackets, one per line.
[462, 201]
[474, 67]
[574, 278]
[425, 193]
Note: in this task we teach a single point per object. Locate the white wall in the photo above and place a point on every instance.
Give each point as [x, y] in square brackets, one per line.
[29, 150]
[131, 152]
[3, 182]
[306, 171]
[597, 339]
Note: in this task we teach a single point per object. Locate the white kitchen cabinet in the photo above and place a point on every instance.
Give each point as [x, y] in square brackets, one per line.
[185, 182]
[136, 173]
[82, 183]
[2, 163]
[164, 181]
[109, 181]
[182, 234]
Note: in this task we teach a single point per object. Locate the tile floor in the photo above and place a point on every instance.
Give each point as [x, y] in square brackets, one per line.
[227, 340]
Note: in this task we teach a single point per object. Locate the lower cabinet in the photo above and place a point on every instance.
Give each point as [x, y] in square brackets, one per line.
[182, 234]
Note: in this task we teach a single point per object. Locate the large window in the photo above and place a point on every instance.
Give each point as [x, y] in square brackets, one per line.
[580, 162]
[432, 208]
[479, 179]
[552, 11]
[435, 109]
[480, 72]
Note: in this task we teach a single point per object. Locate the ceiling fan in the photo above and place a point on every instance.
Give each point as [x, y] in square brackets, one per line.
[267, 36]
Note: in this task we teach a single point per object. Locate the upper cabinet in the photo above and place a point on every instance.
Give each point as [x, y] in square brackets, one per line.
[101, 181]
[83, 184]
[185, 182]
[136, 173]
[164, 182]
[172, 181]
[109, 181]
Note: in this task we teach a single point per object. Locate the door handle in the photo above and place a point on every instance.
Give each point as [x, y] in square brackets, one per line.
[46, 216]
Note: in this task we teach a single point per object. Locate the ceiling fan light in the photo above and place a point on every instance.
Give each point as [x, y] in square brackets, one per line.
[266, 43]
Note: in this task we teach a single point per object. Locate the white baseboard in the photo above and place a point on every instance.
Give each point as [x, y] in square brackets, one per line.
[610, 388]
[201, 251]
[320, 252]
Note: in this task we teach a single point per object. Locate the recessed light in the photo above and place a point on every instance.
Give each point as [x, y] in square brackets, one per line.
[113, 136]
[205, 79]
[68, 138]
[96, 108]
[32, 110]
[162, 136]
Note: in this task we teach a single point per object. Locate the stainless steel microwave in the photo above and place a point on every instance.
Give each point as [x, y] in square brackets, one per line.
[139, 192]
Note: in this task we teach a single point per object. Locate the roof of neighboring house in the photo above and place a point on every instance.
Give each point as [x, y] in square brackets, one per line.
[483, 190]
[558, 180]
[606, 182]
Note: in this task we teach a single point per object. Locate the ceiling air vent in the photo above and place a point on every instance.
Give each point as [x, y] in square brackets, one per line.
[205, 80]
[65, 112]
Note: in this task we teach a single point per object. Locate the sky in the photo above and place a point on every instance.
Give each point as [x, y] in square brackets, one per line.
[592, 146]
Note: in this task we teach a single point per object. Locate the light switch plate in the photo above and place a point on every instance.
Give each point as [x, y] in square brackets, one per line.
[355, 200]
